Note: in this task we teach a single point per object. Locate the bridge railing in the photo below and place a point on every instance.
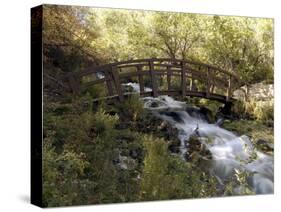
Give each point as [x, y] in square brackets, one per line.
[196, 79]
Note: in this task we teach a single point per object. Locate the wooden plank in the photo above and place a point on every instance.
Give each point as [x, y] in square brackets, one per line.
[213, 75]
[212, 88]
[169, 75]
[200, 64]
[108, 82]
[94, 82]
[153, 79]
[168, 65]
[140, 75]
[131, 65]
[229, 89]
[208, 82]
[117, 83]
[183, 79]
[191, 85]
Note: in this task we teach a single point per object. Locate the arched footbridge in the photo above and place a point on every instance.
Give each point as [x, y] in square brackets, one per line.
[157, 76]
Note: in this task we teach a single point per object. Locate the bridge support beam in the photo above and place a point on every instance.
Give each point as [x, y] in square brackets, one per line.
[141, 83]
[229, 89]
[169, 73]
[183, 79]
[153, 79]
[226, 110]
[117, 83]
[108, 83]
[208, 79]
[191, 85]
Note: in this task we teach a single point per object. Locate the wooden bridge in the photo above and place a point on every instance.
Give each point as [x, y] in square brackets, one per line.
[163, 75]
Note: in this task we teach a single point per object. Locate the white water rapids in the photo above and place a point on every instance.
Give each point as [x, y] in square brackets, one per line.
[229, 151]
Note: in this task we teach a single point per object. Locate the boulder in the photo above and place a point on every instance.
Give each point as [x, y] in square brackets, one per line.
[207, 113]
[264, 146]
[258, 91]
[196, 150]
[174, 146]
[127, 163]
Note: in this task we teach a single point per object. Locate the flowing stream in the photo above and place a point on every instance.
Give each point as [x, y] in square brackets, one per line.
[229, 152]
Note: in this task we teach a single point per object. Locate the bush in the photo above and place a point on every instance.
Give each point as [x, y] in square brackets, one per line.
[264, 111]
[104, 122]
[62, 177]
[132, 107]
[259, 110]
[213, 106]
[96, 91]
[170, 177]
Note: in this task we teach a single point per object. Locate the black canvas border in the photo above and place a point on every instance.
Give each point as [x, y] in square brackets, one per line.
[36, 105]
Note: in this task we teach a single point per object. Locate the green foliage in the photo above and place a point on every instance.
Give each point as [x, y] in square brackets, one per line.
[96, 91]
[104, 123]
[132, 107]
[255, 129]
[243, 45]
[213, 106]
[62, 176]
[259, 110]
[170, 177]
[82, 148]
[263, 111]
[79, 153]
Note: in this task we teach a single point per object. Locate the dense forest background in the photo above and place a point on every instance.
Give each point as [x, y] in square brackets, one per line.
[80, 35]
[83, 144]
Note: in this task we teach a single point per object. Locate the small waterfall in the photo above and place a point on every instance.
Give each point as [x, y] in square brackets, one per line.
[136, 87]
[229, 151]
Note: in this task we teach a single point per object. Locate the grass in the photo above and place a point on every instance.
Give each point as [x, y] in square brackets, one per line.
[254, 129]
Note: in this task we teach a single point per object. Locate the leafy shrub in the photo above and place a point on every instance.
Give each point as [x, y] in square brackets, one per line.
[264, 111]
[132, 107]
[213, 106]
[166, 176]
[62, 174]
[259, 110]
[96, 91]
[104, 122]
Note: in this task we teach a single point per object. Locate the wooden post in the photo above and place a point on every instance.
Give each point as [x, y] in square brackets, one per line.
[208, 83]
[169, 73]
[183, 79]
[108, 83]
[213, 76]
[74, 83]
[229, 89]
[153, 79]
[117, 83]
[141, 83]
[191, 86]
[212, 88]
